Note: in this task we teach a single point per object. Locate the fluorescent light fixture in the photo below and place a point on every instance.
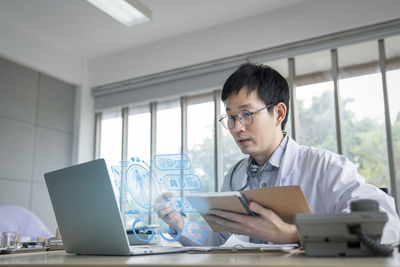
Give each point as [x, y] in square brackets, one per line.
[128, 12]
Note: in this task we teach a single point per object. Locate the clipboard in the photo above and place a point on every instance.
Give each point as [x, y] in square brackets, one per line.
[285, 201]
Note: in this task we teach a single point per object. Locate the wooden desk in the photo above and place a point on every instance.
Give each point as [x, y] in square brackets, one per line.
[60, 258]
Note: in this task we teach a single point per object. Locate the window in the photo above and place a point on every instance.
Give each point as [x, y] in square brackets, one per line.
[230, 151]
[392, 47]
[281, 66]
[363, 117]
[168, 136]
[111, 136]
[200, 136]
[138, 151]
[168, 127]
[315, 101]
[139, 133]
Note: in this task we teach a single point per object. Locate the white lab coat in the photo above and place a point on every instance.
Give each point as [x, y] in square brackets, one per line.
[329, 182]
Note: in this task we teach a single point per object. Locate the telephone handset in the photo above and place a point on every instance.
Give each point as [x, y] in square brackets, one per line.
[365, 205]
[356, 233]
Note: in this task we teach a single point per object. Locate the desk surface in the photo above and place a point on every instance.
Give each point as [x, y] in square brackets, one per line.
[60, 258]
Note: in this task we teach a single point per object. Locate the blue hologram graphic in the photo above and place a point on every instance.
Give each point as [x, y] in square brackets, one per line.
[142, 230]
[133, 211]
[141, 185]
[117, 173]
[197, 204]
[144, 182]
[196, 231]
[190, 182]
[172, 162]
[162, 232]
[189, 204]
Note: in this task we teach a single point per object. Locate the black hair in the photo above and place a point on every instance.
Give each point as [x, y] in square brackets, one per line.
[270, 86]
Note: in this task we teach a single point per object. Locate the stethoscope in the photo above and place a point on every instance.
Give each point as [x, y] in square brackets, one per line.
[249, 174]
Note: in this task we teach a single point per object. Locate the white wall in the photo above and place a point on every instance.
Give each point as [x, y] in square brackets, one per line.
[36, 136]
[83, 145]
[299, 22]
[32, 52]
[39, 55]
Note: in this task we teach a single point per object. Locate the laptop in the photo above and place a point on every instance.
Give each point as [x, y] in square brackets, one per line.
[88, 215]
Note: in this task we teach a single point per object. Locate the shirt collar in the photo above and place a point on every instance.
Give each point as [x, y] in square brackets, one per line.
[274, 160]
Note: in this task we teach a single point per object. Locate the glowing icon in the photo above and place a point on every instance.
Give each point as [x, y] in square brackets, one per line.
[186, 182]
[165, 229]
[197, 204]
[141, 185]
[172, 162]
[142, 231]
[196, 232]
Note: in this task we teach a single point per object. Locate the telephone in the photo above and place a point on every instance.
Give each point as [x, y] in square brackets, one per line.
[356, 233]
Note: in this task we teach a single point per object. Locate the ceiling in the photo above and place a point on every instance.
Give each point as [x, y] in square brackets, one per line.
[77, 27]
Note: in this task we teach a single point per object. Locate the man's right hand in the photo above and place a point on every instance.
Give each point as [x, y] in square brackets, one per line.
[164, 210]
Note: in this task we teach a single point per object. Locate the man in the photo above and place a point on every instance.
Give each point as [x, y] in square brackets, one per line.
[256, 99]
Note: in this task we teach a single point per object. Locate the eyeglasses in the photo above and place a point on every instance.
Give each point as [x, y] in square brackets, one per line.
[245, 117]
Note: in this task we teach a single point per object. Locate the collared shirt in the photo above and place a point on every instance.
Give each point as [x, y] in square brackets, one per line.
[265, 176]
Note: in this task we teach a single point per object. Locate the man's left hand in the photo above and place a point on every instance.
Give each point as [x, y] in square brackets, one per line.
[267, 225]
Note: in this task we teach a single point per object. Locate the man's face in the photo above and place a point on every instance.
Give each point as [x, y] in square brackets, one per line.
[261, 137]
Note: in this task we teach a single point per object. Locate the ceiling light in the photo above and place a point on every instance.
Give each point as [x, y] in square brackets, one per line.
[128, 12]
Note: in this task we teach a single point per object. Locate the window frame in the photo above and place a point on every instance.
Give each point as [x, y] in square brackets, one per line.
[325, 42]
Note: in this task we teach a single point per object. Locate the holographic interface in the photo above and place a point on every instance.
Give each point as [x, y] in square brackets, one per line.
[139, 185]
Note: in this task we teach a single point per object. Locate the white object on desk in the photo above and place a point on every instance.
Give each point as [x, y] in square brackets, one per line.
[234, 242]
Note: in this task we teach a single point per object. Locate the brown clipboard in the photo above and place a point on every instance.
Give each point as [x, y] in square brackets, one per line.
[285, 201]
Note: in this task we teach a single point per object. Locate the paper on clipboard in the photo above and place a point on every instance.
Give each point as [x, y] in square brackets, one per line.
[235, 242]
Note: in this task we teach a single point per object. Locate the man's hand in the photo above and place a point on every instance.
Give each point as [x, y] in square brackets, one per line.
[164, 210]
[266, 226]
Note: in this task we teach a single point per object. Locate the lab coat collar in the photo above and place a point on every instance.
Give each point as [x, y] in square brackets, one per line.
[288, 161]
